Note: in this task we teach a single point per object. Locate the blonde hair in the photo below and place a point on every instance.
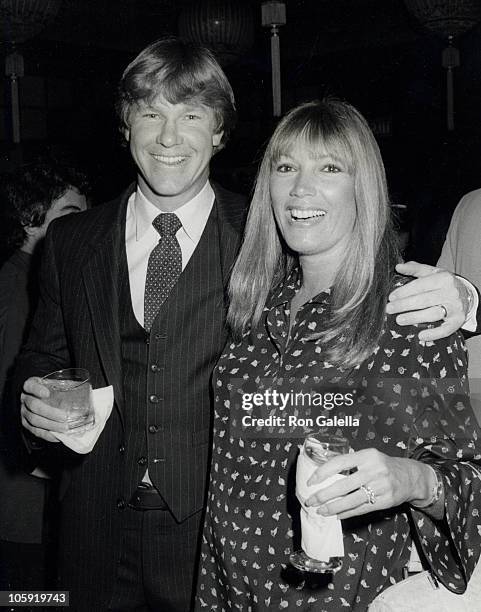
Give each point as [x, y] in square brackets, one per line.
[363, 282]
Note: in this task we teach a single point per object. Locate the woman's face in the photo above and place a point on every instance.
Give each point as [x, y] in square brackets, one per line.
[313, 200]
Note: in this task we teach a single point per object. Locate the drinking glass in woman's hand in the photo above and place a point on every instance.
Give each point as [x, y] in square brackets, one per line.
[322, 546]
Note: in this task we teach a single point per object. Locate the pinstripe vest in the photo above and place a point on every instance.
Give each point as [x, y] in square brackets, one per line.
[166, 377]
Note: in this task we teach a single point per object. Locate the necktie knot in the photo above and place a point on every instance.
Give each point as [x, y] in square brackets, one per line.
[167, 224]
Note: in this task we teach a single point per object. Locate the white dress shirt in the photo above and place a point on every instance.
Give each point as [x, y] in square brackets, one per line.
[141, 236]
[470, 324]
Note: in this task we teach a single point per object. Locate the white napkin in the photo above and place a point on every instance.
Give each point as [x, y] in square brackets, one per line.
[321, 535]
[83, 440]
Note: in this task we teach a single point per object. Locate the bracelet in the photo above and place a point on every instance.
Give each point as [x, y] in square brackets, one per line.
[436, 491]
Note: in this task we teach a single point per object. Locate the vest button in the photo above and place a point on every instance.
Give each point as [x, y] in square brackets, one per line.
[154, 399]
[153, 429]
[154, 367]
[142, 460]
[121, 503]
[121, 448]
[147, 340]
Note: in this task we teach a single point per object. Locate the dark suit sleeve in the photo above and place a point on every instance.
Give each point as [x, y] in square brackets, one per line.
[46, 348]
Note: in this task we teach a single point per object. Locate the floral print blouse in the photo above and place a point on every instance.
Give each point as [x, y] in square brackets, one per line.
[411, 401]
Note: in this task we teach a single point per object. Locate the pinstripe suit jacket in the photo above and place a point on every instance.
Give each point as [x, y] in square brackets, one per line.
[77, 324]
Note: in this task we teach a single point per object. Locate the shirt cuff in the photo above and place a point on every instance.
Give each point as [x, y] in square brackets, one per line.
[470, 324]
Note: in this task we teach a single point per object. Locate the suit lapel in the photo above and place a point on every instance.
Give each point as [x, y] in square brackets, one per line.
[101, 281]
[231, 211]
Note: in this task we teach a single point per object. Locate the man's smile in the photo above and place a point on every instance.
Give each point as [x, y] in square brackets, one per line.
[169, 160]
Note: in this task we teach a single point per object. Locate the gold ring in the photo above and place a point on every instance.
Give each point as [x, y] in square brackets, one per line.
[445, 311]
[371, 496]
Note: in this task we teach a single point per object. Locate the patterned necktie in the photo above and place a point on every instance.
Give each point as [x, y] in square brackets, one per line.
[164, 268]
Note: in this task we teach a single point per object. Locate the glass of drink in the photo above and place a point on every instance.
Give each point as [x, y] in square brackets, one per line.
[317, 449]
[70, 391]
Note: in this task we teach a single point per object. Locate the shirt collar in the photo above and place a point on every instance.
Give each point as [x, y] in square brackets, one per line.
[287, 289]
[192, 215]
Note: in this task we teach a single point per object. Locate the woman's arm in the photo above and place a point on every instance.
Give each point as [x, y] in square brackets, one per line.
[429, 399]
[392, 482]
[433, 503]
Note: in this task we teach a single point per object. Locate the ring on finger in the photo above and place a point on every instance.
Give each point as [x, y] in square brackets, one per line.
[371, 496]
[445, 311]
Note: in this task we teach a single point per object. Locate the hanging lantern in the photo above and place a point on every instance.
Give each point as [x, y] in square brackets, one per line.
[447, 18]
[224, 26]
[273, 17]
[23, 19]
[20, 20]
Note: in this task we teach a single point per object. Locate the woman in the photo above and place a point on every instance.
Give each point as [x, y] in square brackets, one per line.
[308, 295]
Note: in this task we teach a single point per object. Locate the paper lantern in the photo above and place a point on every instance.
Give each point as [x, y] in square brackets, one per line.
[446, 17]
[224, 26]
[22, 19]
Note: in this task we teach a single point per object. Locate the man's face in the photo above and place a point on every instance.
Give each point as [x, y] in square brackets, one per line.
[172, 145]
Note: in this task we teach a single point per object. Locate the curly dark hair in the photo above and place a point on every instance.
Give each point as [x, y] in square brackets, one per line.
[27, 194]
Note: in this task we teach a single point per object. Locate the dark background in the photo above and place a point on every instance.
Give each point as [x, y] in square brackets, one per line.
[372, 53]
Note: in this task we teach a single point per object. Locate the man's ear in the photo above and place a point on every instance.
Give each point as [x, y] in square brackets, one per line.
[126, 133]
[216, 138]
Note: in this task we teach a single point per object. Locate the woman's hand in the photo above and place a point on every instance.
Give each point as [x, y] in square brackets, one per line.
[379, 482]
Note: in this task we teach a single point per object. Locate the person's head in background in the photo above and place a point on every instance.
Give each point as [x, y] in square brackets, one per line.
[176, 109]
[33, 196]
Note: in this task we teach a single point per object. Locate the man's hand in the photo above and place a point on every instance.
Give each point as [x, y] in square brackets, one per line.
[37, 416]
[422, 300]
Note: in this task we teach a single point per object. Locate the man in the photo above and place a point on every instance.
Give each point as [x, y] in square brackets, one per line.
[32, 197]
[461, 254]
[121, 305]
[132, 508]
